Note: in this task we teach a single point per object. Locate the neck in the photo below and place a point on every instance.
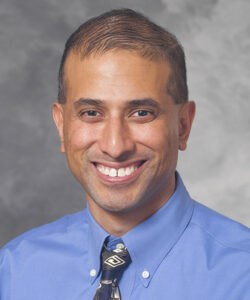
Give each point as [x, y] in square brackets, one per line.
[119, 223]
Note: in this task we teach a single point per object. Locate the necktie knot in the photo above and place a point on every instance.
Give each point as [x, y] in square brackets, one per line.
[114, 263]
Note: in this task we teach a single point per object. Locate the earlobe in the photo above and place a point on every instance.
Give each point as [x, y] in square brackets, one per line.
[58, 119]
[186, 117]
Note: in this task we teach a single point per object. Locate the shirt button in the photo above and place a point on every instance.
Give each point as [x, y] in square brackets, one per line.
[92, 273]
[119, 246]
[145, 274]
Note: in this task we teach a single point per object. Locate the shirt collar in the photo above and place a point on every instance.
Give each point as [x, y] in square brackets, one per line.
[96, 238]
[150, 241]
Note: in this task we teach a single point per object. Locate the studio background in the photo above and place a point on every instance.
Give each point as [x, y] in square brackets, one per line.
[36, 186]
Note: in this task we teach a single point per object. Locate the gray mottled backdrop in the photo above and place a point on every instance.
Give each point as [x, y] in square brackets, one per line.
[35, 183]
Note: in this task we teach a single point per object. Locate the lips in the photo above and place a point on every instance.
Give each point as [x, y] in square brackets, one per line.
[118, 173]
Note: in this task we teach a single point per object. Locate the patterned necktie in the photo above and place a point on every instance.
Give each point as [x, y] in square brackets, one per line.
[114, 264]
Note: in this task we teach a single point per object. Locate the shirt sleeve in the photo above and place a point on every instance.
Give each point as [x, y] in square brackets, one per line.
[5, 271]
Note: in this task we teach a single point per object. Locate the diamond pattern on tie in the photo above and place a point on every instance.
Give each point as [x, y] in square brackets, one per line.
[114, 261]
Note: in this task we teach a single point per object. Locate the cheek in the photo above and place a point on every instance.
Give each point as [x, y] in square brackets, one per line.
[80, 136]
[156, 135]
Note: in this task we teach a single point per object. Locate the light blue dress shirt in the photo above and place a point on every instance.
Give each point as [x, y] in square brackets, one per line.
[185, 251]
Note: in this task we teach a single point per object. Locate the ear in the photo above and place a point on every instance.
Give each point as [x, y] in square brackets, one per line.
[186, 117]
[58, 119]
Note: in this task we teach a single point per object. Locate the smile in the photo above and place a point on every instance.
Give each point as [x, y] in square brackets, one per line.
[122, 172]
[119, 174]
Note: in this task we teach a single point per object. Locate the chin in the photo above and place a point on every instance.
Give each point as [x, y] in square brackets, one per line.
[116, 208]
[121, 206]
[111, 203]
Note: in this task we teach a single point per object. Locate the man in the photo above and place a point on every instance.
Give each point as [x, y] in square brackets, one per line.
[123, 113]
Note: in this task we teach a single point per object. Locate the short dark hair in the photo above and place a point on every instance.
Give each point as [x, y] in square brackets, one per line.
[129, 30]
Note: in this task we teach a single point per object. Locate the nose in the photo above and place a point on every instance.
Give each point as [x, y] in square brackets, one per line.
[116, 140]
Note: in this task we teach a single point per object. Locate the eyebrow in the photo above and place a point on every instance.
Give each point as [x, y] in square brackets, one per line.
[133, 103]
[143, 102]
[87, 102]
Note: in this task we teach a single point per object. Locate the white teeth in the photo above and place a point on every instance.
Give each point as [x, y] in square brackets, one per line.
[121, 172]
[127, 171]
[112, 172]
[99, 168]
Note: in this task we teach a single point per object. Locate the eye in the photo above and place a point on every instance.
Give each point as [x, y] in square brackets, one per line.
[142, 116]
[141, 113]
[89, 113]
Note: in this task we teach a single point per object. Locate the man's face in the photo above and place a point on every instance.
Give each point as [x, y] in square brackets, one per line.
[121, 130]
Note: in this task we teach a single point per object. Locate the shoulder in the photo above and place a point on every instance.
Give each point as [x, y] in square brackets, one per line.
[29, 258]
[223, 230]
[61, 230]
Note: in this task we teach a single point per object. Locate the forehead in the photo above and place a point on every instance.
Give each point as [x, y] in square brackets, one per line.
[115, 75]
